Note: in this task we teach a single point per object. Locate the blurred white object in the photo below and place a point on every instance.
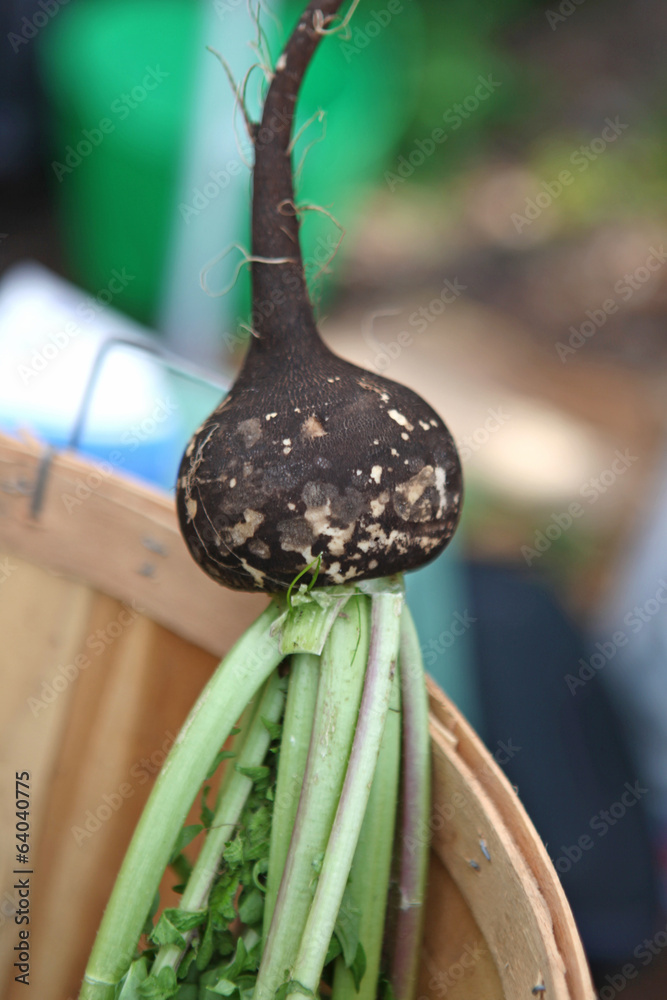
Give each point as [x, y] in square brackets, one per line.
[50, 334]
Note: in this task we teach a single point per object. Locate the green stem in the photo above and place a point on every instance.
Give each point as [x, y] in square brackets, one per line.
[371, 868]
[297, 728]
[383, 654]
[338, 698]
[220, 704]
[235, 793]
[416, 808]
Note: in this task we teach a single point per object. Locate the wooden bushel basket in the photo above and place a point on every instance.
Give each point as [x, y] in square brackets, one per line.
[108, 631]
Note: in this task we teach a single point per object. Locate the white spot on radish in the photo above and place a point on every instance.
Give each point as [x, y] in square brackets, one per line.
[394, 452]
[287, 441]
[312, 428]
[373, 564]
[297, 409]
[400, 419]
[232, 483]
[424, 425]
[259, 548]
[376, 473]
[440, 482]
[270, 416]
[358, 472]
[376, 441]
[291, 506]
[406, 437]
[282, 63]
[191, 507]
[434, 423]
[245, 529]
[250, 430]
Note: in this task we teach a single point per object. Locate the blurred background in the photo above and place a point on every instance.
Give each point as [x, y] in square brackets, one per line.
[499, 173]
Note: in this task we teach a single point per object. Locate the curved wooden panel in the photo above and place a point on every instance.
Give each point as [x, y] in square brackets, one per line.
[121, 538]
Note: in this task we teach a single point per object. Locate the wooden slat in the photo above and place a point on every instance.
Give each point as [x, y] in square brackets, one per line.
[456, 960]
[516, 898]
[108, 734]
[121, 538]
[41, 619]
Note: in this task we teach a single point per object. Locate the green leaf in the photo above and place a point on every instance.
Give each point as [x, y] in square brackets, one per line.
[219, 757]
[221, 900]
[283, 991]
[235, 731]
[346, 928]
[187, 991]
[160, 987]
[206, 814]
[385, 989]
[233, 853]
[334, 950]
[251, 907]
[254, 773]
[238, 963]
[135, 975]
[148, 926]
[205, 951]
[185, 836]
[224, 987]
[274, 729]
[259, 869]
[358, 966]
[186, 962]
[173, 923]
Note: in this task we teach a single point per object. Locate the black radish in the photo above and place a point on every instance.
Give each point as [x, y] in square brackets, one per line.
[309, 455]
[310, 464]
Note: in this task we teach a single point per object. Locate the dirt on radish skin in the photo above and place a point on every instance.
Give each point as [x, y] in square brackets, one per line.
[308, 456]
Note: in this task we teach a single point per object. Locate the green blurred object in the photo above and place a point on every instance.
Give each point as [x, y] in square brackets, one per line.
[119, 75]
[117, 201]
[367, 79]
